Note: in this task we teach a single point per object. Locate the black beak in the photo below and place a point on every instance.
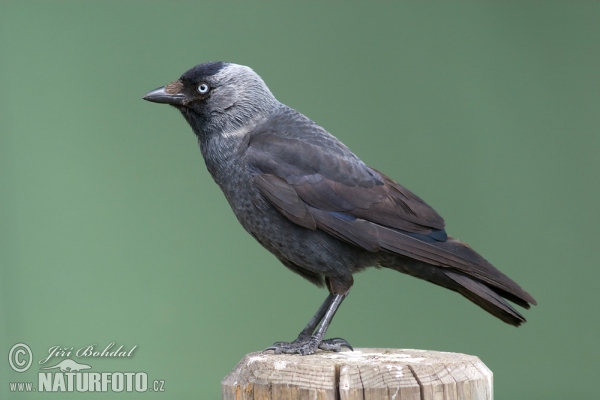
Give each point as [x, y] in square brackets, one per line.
[160, 95]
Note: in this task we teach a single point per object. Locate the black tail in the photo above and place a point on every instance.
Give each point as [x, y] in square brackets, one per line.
[489, 294]
[487, 299]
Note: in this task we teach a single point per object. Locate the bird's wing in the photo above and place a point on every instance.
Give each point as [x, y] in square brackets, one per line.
[294, 173]
[319, 184]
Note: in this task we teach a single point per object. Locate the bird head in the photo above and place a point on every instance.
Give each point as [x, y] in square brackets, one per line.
[218, 97]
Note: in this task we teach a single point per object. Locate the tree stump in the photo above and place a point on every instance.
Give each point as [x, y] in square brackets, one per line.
[375, 374]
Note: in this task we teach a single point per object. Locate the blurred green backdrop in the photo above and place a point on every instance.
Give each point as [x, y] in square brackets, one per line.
[113, 231]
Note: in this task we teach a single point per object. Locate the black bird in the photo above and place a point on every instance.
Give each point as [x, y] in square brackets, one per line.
[316, 206]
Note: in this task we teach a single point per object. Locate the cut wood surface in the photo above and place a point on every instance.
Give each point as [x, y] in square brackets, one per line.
[397, 374]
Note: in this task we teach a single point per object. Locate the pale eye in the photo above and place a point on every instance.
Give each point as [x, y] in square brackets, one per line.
[203, 88]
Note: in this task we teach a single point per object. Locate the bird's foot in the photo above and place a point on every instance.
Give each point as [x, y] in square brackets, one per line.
[306, 347]
[335, 344]
[303, 348]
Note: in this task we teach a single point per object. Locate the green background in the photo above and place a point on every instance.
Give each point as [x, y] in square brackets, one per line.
[113, 231]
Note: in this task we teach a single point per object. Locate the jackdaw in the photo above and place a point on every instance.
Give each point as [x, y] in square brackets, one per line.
[304, 196]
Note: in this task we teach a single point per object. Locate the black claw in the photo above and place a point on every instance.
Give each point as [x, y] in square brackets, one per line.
[335, 344]
[278, 347]
[341, 342]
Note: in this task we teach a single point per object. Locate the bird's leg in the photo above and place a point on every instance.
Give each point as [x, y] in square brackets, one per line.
[312, 324]
[334, 344]
[307, 342]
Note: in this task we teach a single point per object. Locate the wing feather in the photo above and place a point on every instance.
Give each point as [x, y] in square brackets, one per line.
[337, 181]
[285, 199]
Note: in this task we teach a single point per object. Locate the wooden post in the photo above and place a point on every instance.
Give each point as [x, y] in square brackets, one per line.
[374, 374]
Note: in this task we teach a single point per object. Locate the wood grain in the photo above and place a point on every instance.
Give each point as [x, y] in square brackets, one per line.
[365, 374]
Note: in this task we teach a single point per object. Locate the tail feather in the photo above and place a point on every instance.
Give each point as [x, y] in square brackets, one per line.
[452, 255]
[487, 299]
[508, 289]
[488, 291]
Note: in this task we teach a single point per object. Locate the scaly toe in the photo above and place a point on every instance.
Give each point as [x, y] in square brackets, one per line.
[335, 344]
[303, 348]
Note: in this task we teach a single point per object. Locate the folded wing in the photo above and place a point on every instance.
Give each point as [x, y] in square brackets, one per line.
[325, 186]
